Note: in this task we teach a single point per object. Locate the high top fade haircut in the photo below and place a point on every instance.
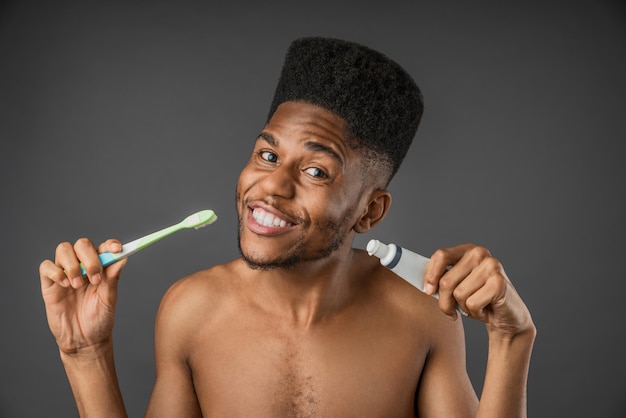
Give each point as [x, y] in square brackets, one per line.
[378, 100]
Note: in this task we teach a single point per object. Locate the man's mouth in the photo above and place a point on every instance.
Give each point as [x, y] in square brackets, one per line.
[268, 219]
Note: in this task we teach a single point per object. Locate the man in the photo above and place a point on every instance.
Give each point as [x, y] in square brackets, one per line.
[303, 325]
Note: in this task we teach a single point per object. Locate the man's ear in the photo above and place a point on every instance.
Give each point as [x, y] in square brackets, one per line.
[376, 210]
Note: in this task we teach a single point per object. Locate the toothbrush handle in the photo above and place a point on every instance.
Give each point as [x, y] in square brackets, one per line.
[106, 258]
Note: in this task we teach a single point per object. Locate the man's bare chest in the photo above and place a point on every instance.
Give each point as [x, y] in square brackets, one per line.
[260, 370]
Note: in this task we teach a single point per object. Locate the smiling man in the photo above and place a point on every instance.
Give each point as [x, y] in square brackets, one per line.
[303, 325]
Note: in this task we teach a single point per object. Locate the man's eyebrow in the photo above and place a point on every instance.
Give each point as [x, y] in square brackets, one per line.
[317, 147]
[269, 138]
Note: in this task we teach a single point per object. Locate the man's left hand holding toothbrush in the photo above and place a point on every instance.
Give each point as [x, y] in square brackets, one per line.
[81, 313]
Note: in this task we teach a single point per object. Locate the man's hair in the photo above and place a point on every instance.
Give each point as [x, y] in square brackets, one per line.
[379, 101]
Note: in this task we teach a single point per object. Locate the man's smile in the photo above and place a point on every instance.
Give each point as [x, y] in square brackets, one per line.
[264, 219]
[268, 219]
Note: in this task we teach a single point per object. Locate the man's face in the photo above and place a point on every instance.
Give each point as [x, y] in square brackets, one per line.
[300, 193]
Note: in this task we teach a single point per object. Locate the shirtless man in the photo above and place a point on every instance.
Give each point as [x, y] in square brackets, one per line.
[303, 325]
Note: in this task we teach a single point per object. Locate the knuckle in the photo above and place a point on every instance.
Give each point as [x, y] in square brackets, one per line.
[49, 270]
[82, 243]
[440, 254]
[45, 269]
[64, 246]
[492, 264]
[459, 293]
[43, 266]
[472, 305]
[62, 251]
[479, 252]
[446, 283]
[495, 285]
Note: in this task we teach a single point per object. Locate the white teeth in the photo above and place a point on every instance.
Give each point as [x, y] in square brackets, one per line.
[268, 219]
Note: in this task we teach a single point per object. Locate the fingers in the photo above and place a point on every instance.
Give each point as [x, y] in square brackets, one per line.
[441, 279]
[86, 252]
[50, 274]
[440, 263]
[110, 245]
[66, 269]
[483, 289]
[113, 271]
[466, 275]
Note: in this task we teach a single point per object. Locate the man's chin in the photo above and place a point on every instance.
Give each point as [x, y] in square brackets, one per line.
[269, 265]
[265, 262]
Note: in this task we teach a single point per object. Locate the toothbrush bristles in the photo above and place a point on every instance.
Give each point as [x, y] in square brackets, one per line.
[203, 225]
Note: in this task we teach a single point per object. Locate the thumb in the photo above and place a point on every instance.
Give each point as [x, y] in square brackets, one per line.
[113, 271]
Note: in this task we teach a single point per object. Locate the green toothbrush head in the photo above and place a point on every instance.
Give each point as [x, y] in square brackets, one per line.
[199, 219]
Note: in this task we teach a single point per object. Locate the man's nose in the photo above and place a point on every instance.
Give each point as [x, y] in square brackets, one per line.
[280, 182]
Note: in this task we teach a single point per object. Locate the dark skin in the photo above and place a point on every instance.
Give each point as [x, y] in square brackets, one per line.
[302, 324]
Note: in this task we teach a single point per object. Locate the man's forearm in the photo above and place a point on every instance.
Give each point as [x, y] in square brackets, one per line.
[505, 387]
[94, 383]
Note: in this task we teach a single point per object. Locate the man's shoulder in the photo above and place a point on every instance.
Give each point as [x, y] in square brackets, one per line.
[401, 301]
[205, 290]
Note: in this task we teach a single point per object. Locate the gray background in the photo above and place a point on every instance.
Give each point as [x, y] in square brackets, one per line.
[119, 118]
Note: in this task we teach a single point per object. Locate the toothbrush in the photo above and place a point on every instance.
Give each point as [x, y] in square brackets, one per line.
[196, 220]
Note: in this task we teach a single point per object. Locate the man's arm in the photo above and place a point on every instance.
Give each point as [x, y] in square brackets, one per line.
[445, 389]
[478, 283]
[94, 383]
[174, 393]
[504, 390]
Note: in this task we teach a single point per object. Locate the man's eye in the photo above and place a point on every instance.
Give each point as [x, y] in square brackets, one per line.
[269, 156]
[316, 172]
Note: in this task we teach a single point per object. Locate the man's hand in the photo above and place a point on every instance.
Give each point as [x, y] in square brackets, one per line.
[80, 310]
[468, 275]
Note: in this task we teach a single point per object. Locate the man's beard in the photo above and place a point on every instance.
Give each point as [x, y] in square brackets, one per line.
[336, 234]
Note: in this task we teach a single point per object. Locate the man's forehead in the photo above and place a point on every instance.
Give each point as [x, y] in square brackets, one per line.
[308, 119]
[303, 113]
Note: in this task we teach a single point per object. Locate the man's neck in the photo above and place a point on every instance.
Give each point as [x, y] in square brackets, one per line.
[305, 294]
